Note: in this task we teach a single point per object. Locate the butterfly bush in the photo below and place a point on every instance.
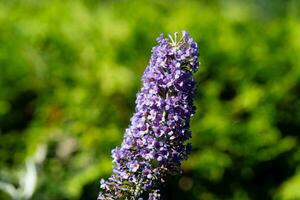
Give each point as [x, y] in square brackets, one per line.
[155, 143]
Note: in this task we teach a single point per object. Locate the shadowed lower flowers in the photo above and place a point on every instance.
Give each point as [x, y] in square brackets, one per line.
[155, 143]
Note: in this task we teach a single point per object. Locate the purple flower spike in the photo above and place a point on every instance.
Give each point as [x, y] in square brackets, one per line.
[155, 143]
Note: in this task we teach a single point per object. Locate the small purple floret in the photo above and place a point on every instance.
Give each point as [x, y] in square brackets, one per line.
[155, 143]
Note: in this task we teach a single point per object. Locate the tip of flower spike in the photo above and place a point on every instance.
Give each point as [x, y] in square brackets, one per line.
[176, 41]
[180, 45]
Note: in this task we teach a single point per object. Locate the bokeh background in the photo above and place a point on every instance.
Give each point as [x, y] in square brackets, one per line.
[69, 72]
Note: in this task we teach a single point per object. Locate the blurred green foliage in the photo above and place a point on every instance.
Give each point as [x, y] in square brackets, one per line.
[69, 72]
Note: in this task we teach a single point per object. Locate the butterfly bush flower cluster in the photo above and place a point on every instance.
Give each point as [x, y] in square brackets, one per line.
[155, 143]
